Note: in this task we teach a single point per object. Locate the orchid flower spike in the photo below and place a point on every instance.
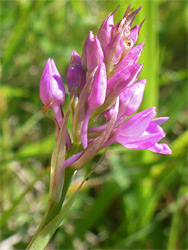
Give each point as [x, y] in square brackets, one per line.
[107, 71]
[105, 95]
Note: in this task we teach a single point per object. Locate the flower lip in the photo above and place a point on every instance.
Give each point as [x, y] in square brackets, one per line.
[161, 148]
[137, 124]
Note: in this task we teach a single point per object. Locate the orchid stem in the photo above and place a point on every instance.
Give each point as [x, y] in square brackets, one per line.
[54, 208]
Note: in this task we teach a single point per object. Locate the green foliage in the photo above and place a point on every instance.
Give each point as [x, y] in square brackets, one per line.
[135, 199]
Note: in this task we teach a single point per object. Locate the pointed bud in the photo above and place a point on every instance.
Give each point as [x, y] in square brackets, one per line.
[130, 18]
[122, 26]
[51, 85]
[75, 59]
[113, 52]
[75, 74]
[84, 51]
[134, 33]
[128, 10]
[105, 31]
[124, 75]
[131, 58]
[97, 94]
[95, 56]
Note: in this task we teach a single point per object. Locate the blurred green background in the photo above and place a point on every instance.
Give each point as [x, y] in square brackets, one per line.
[135, 199]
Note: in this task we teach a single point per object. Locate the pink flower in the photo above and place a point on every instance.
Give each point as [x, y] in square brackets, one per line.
[104, 83]
[141, 131]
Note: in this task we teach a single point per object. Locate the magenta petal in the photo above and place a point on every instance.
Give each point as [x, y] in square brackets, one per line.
[104, 33]
[134, 33]
[75, 58]
[95, 54]
[51, 85]
[113, 52]
[160, 120]
[124, 75]
[75, 75]
[161, 148]
[84, 51]
[138, 142]
[137, 124]
[121, 86]
[131, 98]
[153, 128]
[97, 94]
[131, 58]
[150, 134]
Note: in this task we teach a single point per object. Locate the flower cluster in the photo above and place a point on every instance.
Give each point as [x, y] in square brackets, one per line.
[104, 94]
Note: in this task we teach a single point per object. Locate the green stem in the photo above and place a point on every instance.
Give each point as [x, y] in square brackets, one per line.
[54, 208]
[45, 234]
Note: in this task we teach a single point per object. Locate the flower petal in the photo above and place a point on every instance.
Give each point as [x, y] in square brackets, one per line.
[97, 94]
[137, 124]
[131, 98]
[113, 52]
[131, 58]
[105, 31]
[161, 148]
[138, 142]
[160, 120]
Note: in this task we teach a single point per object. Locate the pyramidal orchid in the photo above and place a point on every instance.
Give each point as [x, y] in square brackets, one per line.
[105, 94]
